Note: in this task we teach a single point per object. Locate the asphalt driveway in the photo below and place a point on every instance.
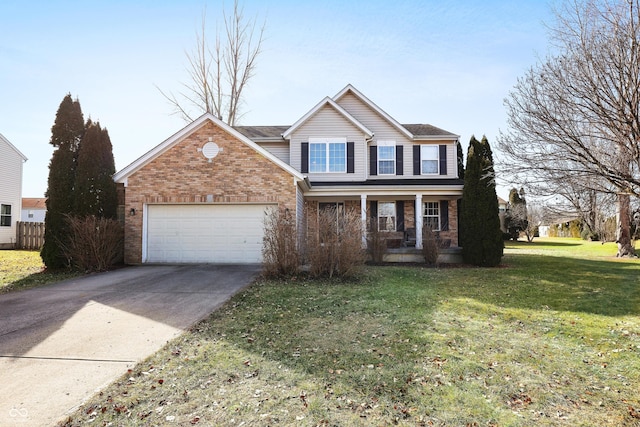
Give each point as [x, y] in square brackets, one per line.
[61, 343]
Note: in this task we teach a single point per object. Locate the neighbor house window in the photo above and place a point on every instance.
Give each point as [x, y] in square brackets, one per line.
[386, 216]
[386, 157]
[327, 155]
[5, 215]
[429, 159]
[432, 215]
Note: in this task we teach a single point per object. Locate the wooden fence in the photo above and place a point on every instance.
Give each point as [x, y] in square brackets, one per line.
[29, 235]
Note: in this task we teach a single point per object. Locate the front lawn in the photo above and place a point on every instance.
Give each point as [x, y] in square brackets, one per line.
[552, 337]
[24, 269]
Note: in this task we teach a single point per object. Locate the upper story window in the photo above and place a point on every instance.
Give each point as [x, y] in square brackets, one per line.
[327, 155]
[386, 157]
[429, 159]
[5, 215]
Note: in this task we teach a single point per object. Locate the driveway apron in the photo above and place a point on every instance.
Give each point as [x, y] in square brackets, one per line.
[61, 343]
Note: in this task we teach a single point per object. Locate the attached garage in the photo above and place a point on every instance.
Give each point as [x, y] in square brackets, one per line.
[187, 233]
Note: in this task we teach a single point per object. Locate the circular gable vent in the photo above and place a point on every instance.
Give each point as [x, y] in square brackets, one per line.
[210, 150]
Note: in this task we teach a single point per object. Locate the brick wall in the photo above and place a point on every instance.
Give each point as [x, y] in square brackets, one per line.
[181, 174]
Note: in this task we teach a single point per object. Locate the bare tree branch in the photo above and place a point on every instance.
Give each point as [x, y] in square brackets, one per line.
[218, 75]
[574, 117]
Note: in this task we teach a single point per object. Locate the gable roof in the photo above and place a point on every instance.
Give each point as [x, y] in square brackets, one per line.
[331, 103]
[159, 149]
[6, 141]
[349, 88]
[262, 133]
[425, 131]
[34, 203]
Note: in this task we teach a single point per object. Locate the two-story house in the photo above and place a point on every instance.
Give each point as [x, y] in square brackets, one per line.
[11, 161]
[201, 195]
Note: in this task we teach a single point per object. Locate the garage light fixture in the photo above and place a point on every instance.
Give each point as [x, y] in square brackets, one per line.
[132, 212]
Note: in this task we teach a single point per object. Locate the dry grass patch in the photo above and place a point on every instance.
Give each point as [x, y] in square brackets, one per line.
[24, 269]
[547, 340]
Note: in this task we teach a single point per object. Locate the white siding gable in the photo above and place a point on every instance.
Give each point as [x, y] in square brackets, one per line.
[329, 123]
[11, 161]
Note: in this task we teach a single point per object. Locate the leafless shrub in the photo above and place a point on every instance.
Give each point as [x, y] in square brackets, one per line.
[376, 243]
[279, 248]
[430, 246]
[334, 245]
[94, 244]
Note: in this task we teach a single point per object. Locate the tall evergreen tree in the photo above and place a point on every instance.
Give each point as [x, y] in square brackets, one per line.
[482, 242]
[460, 159]
[66, 133]
[94, 189]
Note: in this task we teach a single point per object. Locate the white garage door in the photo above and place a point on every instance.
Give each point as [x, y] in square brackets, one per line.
[205, 233]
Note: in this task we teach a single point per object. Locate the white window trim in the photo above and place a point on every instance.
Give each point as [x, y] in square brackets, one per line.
[328, 141]
[9, 215]
[393, 160]
[437, 147]
[425, 216]
[395, 216]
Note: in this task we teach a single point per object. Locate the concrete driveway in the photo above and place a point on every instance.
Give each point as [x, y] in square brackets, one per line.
[61, 343]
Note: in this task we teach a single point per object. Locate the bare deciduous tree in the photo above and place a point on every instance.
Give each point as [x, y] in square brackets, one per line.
[218, 74]
[574, 116]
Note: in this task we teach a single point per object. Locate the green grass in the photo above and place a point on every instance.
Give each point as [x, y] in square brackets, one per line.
[24, 269]
[550, 338]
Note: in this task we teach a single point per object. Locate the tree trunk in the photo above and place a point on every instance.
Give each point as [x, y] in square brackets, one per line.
[623, 233]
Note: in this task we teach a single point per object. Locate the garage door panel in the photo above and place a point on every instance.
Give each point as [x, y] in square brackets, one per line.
[205, 233]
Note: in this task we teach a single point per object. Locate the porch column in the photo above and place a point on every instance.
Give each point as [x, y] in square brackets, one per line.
[418, 221]
[363, 218]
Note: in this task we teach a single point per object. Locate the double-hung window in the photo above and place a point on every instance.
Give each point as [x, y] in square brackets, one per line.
[5, 215]
[429, 160]
[386, 216]
[432, 215]
[386, 157]
[327, 155]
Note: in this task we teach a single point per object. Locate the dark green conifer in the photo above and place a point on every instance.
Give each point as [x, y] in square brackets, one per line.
[482, 242]
[66, 133]
[95, 191]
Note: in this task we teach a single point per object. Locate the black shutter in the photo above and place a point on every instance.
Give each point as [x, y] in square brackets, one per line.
[416, 160]
[399, 160]
[443, 160]
[304, 158]
[444, 215]
[400, 215]
[373, 215]
[373, 160]
[350, 159]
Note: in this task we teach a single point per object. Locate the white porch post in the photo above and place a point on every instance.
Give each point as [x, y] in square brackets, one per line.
[418, 221]
[363, 218]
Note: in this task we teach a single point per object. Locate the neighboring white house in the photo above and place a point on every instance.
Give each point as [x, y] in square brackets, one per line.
[11, 160]
[34, 209]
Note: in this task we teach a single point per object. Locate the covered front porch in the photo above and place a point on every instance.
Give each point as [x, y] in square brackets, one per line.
[400, 218]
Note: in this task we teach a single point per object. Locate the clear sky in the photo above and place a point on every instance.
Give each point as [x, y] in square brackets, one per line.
[446, 63]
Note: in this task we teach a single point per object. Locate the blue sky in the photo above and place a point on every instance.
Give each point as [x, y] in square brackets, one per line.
[446, 63]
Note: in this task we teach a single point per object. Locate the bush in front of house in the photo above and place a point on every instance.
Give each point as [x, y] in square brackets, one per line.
[334, 244]
[280, 254]
[94, 243]
[376, 243]
[430, 246]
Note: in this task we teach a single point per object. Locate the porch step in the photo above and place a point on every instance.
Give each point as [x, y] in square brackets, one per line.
[452, 255]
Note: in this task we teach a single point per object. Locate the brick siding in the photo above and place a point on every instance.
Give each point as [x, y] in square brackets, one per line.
[182, 174]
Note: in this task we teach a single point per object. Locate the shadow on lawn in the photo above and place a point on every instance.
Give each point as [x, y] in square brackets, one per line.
[608, 288]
